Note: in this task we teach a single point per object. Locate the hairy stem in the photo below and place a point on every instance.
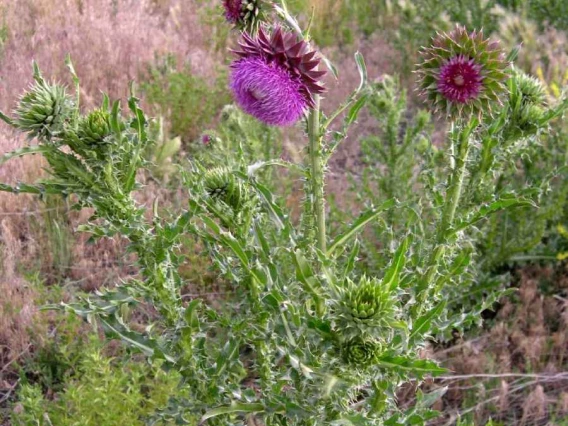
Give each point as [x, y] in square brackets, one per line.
[317, 174]
[461, 150]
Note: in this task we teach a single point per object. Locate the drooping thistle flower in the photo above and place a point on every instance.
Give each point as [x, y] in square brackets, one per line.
[462, 74]
[276, 77]
[94, 128]
[221, 185]
[360, 352]
[367, 306]
[244, 14]
[43, 109]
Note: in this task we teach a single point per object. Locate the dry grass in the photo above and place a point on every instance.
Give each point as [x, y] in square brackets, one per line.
[516, 372]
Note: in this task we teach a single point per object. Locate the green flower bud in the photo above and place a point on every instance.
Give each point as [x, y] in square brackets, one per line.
[43, 110]
[360, 352]
[223, 186]
[525, 107]
[94, 128]
[365, 307]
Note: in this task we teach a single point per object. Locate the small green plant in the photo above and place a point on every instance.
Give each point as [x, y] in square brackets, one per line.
[102, 390]
[186, 101]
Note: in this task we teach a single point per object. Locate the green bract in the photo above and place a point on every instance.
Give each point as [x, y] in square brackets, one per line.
[456, 55]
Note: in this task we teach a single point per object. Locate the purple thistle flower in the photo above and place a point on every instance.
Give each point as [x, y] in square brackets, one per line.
[267, 91]
[275, 78]
[463, 74]
[233, 9]
[460, 79]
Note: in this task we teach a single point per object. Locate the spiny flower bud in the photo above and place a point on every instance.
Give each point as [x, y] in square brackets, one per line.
[462, 74]
[360, 352]
[367, 307]
[276, 77]
[526, 105]
[43, 109]
[244, 14]
[94, 128]
[222, 185]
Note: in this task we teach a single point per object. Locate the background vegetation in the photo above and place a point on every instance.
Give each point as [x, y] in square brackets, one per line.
[512, 371]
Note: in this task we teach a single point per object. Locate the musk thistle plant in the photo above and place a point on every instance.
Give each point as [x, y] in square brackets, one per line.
[462, 74]
[275, 77]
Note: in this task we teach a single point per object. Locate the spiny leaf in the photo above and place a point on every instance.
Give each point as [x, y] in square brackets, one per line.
[234, 408]
[363, 219]
[36, 149]
[422, 324]
[405, 365]
[393, 272]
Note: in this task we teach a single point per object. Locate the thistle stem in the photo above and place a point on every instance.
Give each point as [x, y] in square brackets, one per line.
[317, 174]
[461, 150]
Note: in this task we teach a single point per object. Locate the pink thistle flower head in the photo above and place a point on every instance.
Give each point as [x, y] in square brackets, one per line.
[275, 77]
[462, 74]
[460, 80]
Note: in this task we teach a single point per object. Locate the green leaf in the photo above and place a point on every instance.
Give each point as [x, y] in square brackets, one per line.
[363, 219]
[405, 365]
[234, 408]
[331, 67]
[362, 68]
[353, 112]
[36, 149]
[488, 209]
[6, 119]
[392, 274]
[422, 324]
[305, 274]
[350, 265]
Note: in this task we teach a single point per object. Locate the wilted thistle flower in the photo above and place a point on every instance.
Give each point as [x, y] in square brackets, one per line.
[244, 14]
[94, 128]
[43, 109]
[367, 306]
[275, 78]
[462, 73]
[360, 352]
[221, 185]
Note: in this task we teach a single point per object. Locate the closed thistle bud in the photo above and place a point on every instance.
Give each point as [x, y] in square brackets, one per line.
[43, 109]
[244, 14]
[526, 105]
[360, 352]
[366, 307]
[94, 128]
[221, 185]
[462, 74]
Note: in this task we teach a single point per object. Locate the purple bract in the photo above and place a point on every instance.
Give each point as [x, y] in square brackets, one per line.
[267, 91]
[460, 79]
